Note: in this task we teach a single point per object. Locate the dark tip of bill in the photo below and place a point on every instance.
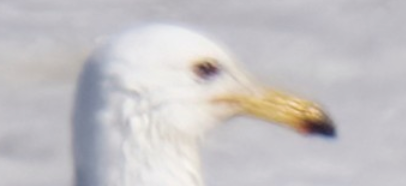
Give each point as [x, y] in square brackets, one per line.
[325, 129]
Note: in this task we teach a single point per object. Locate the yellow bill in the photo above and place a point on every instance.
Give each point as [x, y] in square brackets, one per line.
[301, 115]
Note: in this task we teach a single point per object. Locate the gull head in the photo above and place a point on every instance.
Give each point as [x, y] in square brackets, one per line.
[194, 83]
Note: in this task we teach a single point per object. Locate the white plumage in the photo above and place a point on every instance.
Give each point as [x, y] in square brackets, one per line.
[144, 101]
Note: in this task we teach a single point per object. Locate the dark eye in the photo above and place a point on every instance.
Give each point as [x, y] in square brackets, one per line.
[206, 69]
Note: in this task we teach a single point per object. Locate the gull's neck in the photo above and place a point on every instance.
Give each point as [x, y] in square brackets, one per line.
[157, 155]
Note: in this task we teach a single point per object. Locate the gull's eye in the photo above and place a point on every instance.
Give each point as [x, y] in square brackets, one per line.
[206, 69]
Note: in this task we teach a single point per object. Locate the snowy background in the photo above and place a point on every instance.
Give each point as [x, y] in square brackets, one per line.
[349, 55]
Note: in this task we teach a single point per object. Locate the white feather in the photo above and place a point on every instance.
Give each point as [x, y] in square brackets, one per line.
[140, 109]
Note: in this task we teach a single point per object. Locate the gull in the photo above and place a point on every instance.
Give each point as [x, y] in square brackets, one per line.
[146, 98]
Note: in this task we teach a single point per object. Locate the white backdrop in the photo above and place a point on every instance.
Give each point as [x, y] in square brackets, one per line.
[348, 54]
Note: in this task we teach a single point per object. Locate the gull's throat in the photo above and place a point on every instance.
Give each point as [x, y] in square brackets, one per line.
[156, 155]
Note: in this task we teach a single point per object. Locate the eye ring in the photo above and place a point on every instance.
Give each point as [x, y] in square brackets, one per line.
[206, 69]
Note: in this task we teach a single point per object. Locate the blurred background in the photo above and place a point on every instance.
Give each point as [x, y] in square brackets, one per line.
[349, 55]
